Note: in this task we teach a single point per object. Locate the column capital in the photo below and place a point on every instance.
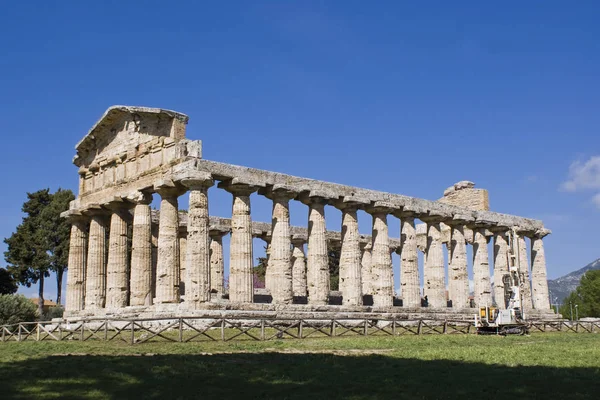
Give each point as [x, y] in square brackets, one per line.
[118, 204]
[541, 233]
[74, 216]
[499, 229]
[310, 199]
[196, 180]
[278, 192]
[237, 189]
[380, 207]
[217, 234]
[95, 210]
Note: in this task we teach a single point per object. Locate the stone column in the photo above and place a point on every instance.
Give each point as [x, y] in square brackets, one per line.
[365, 263]
[77, 260]
[381, 261]
[141, 255]
[167, 269]
[183, 276]
[198, 241]
[434, 271]
[524, 272]
[117, 274]
[458, 277]
[481, 269]
[299, 268]
[350, 257]
[216, 263]
[280, 258]
[266, 237]
[317, 266]
[241, 262]
[500, 264]
[409, 274]
[539, 281]
[95, 282]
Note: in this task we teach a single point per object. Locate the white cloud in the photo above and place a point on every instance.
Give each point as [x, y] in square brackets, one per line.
[583, 175]
[596, 200]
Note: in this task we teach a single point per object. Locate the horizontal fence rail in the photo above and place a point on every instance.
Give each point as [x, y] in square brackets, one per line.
[197, 329]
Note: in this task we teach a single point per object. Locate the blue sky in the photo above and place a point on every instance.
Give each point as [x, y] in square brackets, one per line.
[395, 96]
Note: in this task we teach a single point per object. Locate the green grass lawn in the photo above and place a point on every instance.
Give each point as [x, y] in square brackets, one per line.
[548, 366]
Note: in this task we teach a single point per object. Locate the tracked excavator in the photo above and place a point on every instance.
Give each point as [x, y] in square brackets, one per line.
[510, 320]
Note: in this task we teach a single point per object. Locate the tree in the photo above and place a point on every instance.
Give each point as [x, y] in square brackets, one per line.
[7, 283]
[586, 297]
[41, 242]
[15, 308]
[333, 255]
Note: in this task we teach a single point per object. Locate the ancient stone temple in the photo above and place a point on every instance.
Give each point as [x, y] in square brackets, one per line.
[127, 259]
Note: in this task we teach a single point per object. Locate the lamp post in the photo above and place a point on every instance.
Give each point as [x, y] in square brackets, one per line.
[571, 307]
[576, 312]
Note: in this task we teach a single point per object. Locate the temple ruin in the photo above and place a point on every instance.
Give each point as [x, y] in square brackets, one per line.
[129, 260]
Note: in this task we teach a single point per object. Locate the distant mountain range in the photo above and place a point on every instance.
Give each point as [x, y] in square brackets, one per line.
[561, 287]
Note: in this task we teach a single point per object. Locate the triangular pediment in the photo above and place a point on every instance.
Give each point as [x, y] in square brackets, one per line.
[123, 130]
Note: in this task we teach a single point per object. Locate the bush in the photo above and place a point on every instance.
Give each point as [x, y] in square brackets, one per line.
[54, 312]
[15, 308]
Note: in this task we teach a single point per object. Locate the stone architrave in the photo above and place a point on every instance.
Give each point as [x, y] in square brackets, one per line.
[524, 271]
[198, 241]
[141, 254]
[409, 277]
[458, 277]
[167, 269]
[117, 270]
[216, 263]
[77, 261]
[280, 258]
[501, 266]
[539, 281]
[365, 263]
[95, 280]
[481, 269]
[381, 261]
[350, 258]
[299, 268]
[317, 265]
[434, 274]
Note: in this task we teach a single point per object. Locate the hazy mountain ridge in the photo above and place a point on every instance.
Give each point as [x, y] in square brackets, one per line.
[561, 287]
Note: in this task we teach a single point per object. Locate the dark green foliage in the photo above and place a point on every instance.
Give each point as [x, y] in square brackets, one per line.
[15, 308]
[586, 297]
[333, 255]
[54, 312]
[7, 282]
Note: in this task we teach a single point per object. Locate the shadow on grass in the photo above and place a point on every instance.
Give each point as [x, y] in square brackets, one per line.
[287, 376]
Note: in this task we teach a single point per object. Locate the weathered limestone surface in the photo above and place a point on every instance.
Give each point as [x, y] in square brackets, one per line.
[299, 285]
[317, 266]
[481, 270]
[500, 266]
[350, 257]
[524, 266]
[365, 262]
[77, 260]
[464, 194]
[167, 270]
[117, 275]
[183, 275]
[539, 282]
[434, 274]
[217, 266]
[458, 278]
[280, 258]
[411, 286]
[141, 256]
[95, 285]
[381, 263]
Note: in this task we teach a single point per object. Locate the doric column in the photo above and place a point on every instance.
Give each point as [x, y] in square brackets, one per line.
[381, 260]
[299, 268]
[141, 254]
[266, 237]
[241, 262]
[167, 269]
[183, 276]
[216, 262]
[77, 260]
[365, 263]
[117, 270]
[198, 241]
[350, 257]
[524, 272]
[317, 266]
[434, 271]
[500, 264]
[409, 276]
[481, 269]
[458, 276]
[95, 281]
[539, 281]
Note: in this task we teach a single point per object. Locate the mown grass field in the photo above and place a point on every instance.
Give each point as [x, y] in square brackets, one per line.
[548, 366]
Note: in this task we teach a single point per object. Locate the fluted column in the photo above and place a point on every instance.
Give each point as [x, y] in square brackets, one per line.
[117, 270]
[458, 277]
[539, 281]
[241, 262]
[280, 258]
[481, 269]
[183, 275]
[95, 282]
[409, 276]
[76, 265]
[266, 237]
[198, 242]
[317, 266]
[350, 257]
[299, 268]
[381, 261]
[524, 271]
[365, 263]
[434, 271]
[216, 263]
[167, 269]
[500, 265]
[141, 255]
